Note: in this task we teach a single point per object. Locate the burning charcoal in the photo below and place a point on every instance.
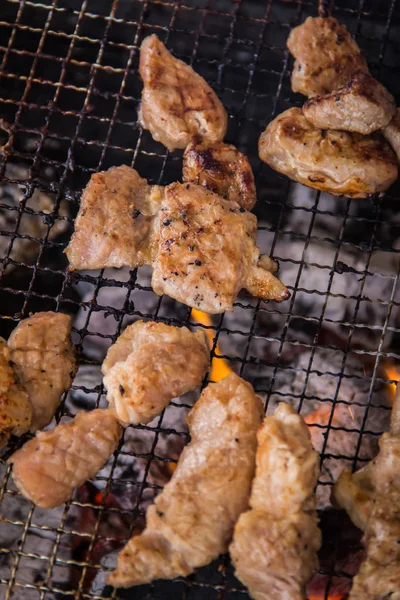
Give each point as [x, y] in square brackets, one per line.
[85, 390]
[115, 303]
[317, 389]
[32, 225]
[40, 539]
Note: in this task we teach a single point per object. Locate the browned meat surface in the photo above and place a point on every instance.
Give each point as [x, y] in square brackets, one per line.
[44, 361]
[49, 467]
[192, 520]
[201, 246]
[338, 162]
[204, 251]
[109, 229]
[392, 133]
[326, 56]
[176, 102]
[222, 169]
[372, 499]
[363, 105]
[15, 408]
[150, 364]
[275, 544]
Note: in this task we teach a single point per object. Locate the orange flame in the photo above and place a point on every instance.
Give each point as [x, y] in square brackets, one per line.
[391, 372]
[219, 367]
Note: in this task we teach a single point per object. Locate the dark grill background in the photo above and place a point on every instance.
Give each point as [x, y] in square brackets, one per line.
[69, 93]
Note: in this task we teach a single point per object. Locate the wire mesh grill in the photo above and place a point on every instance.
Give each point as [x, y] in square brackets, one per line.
[69, 93]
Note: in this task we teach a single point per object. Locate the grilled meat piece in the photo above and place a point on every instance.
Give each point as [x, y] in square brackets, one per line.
[326, 56]
[275, 543]
[331, 161]
[176, 102]
[44, 362]
[192, 520]
[49, 467]
[205, 251]
[15, 408]
[372, 499]
[150, 364]
[363, 105]
[222, 169]
[201, 246]
[354, 493]
[392, 133]
[109, 229]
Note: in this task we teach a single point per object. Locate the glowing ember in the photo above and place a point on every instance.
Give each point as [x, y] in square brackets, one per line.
[171, 467]
[329, 598]
[391, 372]
[219, 366]
[319, 416]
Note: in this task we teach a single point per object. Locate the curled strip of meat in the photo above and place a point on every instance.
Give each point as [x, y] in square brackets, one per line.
[275, 543]
[192, 520]
[371, 497]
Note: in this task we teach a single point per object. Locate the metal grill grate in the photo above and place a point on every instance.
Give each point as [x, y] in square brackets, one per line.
[69, 91]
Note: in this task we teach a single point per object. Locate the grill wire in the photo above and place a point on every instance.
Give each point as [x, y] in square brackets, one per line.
[69, 90]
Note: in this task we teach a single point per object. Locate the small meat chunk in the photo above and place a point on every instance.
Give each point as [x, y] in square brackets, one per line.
[150, 364]
[222, 169]
[326, 56]
[48, 468]
[372, 499]
[177, 103]
[15, 408]
[192, 520]
[338, 162]
[392, 133]
[44, 361]
[275, 543]
[363, 105]
[354, 493]
[109, 229]
[205, 251]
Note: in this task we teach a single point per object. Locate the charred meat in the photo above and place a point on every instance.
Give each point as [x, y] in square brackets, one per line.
[222, 169]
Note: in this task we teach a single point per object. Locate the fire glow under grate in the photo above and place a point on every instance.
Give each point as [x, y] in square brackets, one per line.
[69, 93]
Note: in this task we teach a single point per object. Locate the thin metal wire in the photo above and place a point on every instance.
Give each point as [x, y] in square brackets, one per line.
[84, 102]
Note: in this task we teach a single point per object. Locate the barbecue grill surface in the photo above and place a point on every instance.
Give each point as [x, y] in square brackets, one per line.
[69, 93]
